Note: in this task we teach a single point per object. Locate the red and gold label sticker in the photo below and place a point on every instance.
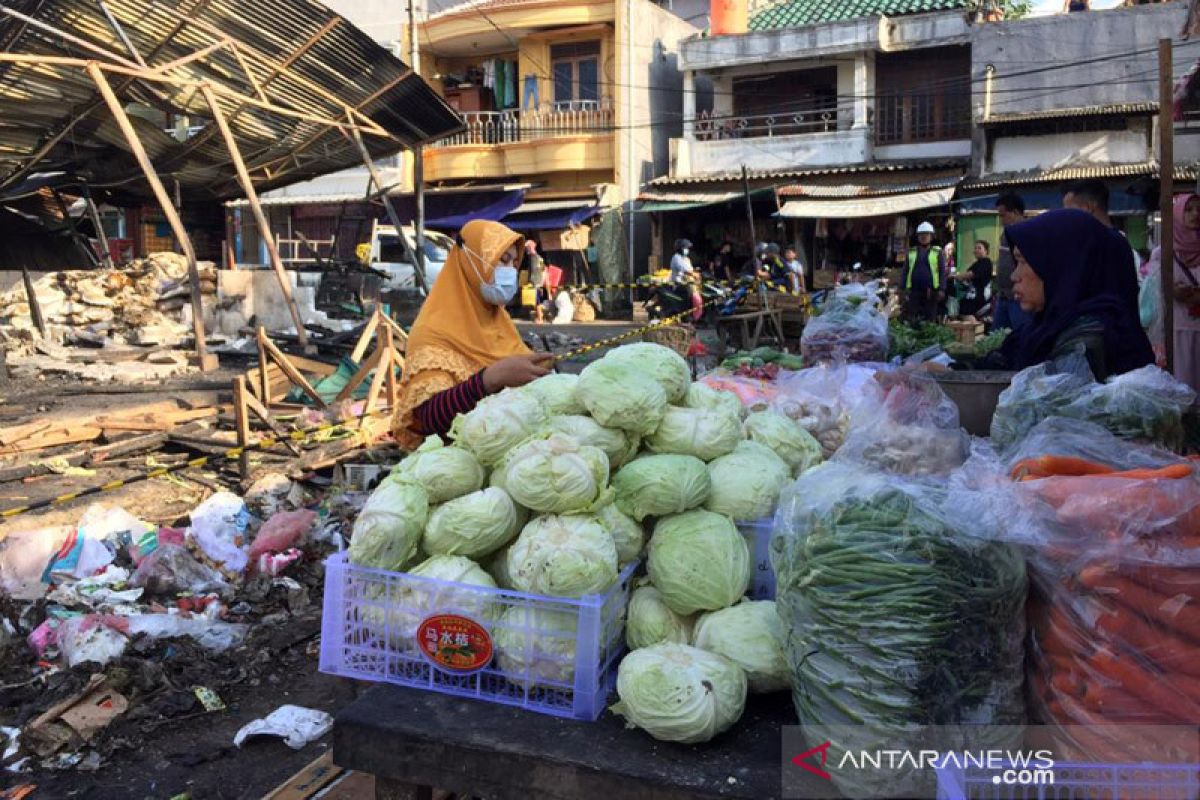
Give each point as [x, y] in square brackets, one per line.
[455, 643]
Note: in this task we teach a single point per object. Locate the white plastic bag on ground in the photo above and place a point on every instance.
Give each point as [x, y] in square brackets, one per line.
[296, 725]
[219, 527]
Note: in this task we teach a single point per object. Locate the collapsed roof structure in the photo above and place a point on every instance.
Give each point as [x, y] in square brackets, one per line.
[275, 92]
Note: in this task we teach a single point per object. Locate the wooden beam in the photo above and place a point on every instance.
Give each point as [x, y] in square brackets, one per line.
[385, 364]
[1166, 197]
[263, 413]
[58, 33]
[164, 200]
[264, 227]
[361, 375]
[80, 240]
[242, 420]
[35, 307]
[393, 388]
[364, 341]
[264, 380]
[101, 236]
[277, 355]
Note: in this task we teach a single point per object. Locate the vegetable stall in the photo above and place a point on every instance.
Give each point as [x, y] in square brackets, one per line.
[590, 548]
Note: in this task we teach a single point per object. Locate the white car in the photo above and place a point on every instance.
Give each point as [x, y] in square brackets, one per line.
[389, 256]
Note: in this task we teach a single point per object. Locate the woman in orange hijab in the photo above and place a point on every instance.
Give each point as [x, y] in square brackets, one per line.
[464, 345]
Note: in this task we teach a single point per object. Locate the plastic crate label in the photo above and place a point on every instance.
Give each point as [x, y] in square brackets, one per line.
[455, 643]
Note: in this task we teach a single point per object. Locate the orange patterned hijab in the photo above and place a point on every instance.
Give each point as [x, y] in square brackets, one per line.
[457, 333]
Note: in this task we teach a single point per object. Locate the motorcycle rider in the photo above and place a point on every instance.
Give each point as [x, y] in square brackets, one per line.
[681, 264]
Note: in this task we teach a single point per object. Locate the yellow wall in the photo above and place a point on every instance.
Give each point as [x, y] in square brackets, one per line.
[534, 59]
[518, 161]
[531, 15]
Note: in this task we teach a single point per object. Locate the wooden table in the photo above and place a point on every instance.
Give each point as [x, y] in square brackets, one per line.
[750, 325]
[414, 742]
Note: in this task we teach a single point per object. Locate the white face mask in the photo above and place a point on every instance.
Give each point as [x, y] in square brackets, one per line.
[503, 287]
[685, 251]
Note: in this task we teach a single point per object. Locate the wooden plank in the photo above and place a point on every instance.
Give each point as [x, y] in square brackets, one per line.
[385, 366]
[264, 385]
[261, 411]
[393, 387]
[54, 438]
[364, 341]
[276, 355]
[360, 376]
[34, 466]
[308, 781]
[319, 368]
[242, 417]
[18, 432]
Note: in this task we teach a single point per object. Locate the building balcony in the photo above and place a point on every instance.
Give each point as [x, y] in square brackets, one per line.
[564, 137]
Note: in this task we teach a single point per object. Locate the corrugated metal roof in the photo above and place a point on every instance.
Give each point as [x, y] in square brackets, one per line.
[798, 13]
[1061, 174]
[852, 169]
[877, 188]
[287, 74]
[1120, 109]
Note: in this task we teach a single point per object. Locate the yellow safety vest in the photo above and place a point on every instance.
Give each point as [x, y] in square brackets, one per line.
[933, 268]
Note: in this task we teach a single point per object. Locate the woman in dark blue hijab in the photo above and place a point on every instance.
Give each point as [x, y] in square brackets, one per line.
[1076, 276]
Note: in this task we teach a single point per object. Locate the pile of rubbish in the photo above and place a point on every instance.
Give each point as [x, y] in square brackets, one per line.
[96, 618]
[140, 303]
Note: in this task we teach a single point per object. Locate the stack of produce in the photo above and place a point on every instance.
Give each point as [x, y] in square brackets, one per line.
[850, 327]
[1145, 405]
[551, 489]
[1113, 531]
[897, 613]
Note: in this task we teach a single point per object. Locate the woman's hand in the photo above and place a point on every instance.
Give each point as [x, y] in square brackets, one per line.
[516, 371]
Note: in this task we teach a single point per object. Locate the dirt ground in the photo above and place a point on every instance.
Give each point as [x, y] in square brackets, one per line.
[166, 745]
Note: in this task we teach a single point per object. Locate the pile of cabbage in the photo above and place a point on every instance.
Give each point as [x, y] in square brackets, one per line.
[554, 488]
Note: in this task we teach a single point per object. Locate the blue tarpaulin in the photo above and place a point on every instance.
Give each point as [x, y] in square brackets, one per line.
[551, 220]
[447, 211]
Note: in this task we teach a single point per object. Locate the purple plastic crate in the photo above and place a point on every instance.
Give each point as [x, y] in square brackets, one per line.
[758, 537]
[1078, 782]
[553, 655]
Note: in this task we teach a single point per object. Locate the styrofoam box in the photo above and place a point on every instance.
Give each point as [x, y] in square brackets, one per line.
[758, 537]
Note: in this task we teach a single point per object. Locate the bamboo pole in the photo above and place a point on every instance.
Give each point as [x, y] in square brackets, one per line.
[264, 227]
[1166, 198]
[241, 418]
[168, 209]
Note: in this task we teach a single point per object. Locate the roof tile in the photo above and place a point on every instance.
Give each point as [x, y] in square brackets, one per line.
[798, 13]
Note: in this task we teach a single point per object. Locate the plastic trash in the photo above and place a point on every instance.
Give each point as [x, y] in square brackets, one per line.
[296, 725]
[210, 633]
[219, 527]
[171, 570]
[98, 590]
[281, 532]
[23, 558]
[272, 493]
[275, 563]
[78, 557]
[90, 638]
[109, 522]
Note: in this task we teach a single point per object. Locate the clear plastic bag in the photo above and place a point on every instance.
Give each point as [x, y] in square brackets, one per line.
[1115, 563]
[850, 327]
[1145, 405]
[896, 614]
[1036, 393]
[823, 400]
[914, 431]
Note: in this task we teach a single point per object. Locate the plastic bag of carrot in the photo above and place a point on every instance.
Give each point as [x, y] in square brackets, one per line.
[1113, 531]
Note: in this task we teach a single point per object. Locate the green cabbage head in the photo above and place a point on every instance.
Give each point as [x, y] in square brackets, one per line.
[556, 392]
[473, 525]
[692, 432]
[707, 398]
[661, 363]
[536, 646]
[678, 693]
[746, 483]
[660, 484]
[699, 561]
[497, 424]
[620, 446]
[417, 599]
[563, 556]
[621, 396]
[651, 622]
[445, 472]
[627, 535]
[556, 474]
[789, 440]
[750, 635]
[389, 527]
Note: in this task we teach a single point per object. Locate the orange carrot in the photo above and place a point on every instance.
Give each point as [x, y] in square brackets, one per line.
[1162, 647]
[1159, 694]
[1165, 580]
[1067, 682]
[1178, 613]
[1046, 466]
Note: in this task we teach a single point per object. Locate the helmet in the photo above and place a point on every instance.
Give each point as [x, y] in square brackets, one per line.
[760, 248]
[925, 227]
[857, 267]
[772, 249]
[681, 244]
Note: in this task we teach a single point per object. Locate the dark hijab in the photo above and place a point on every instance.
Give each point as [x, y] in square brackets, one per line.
[1088, 270]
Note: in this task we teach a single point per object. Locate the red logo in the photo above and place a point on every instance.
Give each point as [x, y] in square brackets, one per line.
[455, 643]
[802, 760]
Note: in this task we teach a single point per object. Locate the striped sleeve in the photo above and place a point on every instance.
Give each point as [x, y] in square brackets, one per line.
[435, 415]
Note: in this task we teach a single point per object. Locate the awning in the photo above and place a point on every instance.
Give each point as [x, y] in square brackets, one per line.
[551, 215]
[658, 202]
[866, 206]
[452, 211]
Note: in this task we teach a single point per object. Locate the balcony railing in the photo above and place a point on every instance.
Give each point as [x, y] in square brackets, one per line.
[905, 118]
[818, 119]
[570, 118]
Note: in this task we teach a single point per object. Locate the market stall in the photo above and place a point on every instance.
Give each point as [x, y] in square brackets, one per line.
[629, 547]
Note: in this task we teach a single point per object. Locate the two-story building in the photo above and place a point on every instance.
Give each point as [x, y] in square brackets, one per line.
[569, 107]
[851, 122]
